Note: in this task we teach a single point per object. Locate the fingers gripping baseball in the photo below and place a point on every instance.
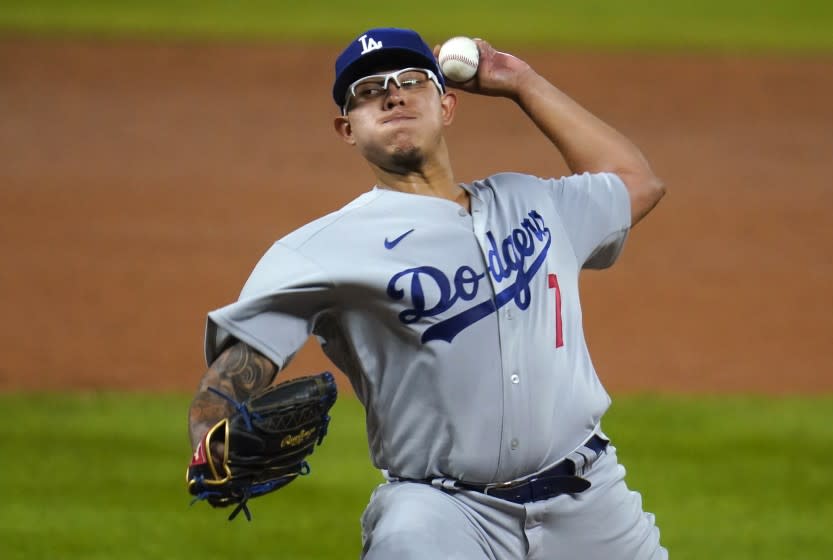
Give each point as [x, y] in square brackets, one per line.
[458, 59]
[497, 73]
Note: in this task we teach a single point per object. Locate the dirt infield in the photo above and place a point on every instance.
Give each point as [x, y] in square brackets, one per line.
[139, 183]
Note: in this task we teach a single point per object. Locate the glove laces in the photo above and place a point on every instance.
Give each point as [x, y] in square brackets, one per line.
[247, 493]
[240, 407]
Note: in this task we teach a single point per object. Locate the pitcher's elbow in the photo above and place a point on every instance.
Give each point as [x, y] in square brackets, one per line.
[645, 195]
[657, 188]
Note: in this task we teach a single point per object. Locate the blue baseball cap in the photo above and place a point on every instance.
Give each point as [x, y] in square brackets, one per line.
[378, 46]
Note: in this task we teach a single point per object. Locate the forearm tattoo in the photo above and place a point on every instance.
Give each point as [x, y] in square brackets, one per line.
[237, 372]
[242, 370]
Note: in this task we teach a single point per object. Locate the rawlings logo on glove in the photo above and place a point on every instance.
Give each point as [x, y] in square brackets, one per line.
[265, 443]
[297, 439]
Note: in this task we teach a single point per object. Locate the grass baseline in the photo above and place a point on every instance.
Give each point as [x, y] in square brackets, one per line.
[102, 475]
[770, 25]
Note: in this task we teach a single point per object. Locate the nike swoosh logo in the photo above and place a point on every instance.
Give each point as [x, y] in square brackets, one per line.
[395, 242]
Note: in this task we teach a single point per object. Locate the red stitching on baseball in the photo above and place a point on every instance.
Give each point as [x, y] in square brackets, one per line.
[461, 58]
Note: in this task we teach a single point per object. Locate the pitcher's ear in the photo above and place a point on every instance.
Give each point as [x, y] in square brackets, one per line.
[449, 105]
[342, 126]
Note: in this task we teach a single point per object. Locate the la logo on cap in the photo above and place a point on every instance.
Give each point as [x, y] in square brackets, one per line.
[369, 44]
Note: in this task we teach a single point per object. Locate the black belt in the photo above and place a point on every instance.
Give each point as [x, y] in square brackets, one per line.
[560, 479]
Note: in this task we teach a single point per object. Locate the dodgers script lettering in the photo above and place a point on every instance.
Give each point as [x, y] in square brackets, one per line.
[511, 262]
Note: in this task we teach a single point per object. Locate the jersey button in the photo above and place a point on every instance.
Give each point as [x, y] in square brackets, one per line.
[515, 378]
[462, 212]
[514, 443]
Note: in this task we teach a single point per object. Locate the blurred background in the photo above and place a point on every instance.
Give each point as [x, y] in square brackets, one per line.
[150, 152]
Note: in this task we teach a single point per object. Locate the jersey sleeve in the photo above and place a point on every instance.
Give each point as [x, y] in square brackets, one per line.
[277, 308]
[596, 213]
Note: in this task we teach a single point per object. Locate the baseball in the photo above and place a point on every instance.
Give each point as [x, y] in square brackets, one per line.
[459, 58]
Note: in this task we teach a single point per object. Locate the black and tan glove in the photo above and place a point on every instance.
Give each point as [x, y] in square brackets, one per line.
[265, 442]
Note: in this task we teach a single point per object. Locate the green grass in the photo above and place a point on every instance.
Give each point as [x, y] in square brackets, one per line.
[732, 477]
[707, 24]
[102, 476]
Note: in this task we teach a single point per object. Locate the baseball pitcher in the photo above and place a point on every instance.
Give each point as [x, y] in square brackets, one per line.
[453, 308]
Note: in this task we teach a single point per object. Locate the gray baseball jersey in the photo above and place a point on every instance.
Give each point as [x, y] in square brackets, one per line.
[460, 332]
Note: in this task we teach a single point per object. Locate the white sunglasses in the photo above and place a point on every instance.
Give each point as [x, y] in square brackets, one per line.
[376, 86]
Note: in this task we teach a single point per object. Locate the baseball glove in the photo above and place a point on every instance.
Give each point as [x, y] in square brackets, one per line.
[265, 442]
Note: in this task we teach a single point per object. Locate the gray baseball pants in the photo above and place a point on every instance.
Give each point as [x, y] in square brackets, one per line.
[414, 521]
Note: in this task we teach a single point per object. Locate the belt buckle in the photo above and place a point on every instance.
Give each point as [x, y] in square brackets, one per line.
[508, 485]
